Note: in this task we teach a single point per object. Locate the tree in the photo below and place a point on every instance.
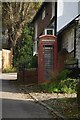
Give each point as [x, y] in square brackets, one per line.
[24, 48]
[15, 15]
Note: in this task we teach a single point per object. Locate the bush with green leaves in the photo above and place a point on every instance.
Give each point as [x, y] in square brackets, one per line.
[61, 83]
[64, 74]
[23, 55]
[64, 86]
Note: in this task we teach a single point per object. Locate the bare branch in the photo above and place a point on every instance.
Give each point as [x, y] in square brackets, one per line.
[16, 15]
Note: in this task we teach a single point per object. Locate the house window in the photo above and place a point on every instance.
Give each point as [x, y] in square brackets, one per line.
[36, 30]
[35, 50]
[49, 31]
[43, 14]
[53, 10]
[68, 40]
[71, 41]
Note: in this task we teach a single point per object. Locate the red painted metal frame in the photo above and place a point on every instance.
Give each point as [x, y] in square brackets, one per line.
[46, 40]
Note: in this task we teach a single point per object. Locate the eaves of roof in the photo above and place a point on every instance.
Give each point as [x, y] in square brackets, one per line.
[68, 25]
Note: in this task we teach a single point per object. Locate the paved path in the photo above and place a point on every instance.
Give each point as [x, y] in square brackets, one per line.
[19, 105]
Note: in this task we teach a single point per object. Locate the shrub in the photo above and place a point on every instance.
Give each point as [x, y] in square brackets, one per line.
[60, 83]
[23, 54]
[64, 86]
[9, 70]
[56, 76]
[35, 61]
[64, 74]
[68, 85]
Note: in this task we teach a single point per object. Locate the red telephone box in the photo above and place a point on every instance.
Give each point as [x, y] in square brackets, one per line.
[47, 57]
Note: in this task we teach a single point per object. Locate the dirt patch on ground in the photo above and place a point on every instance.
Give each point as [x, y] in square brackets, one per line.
[65, 106]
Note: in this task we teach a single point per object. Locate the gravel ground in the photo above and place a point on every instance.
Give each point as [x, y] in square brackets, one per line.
[34, 90]
[65, 104]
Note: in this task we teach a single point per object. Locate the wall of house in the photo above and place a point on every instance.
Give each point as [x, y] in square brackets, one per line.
[78, 44]
[62, 55]
[68, 39]
[66, 46]
[5, 39]
[42, 23]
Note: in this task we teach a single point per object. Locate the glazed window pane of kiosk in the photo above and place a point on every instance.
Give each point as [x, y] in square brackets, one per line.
[48, 60]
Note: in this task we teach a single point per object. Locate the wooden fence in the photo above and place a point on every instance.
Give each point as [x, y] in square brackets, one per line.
[6, 58]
